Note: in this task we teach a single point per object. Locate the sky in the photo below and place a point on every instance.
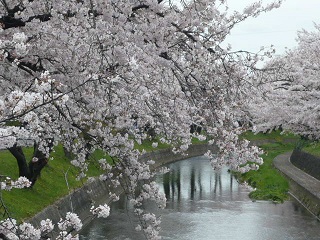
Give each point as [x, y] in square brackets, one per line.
[278, 27]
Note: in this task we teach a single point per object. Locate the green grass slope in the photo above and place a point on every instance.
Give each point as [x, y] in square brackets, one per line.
[269, 183]
[52, 184]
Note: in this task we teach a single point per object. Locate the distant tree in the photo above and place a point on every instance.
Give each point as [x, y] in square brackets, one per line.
[291, 95]
[90, 74]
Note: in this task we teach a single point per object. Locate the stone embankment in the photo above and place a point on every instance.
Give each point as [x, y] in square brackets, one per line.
[303, 187]
[96, 192]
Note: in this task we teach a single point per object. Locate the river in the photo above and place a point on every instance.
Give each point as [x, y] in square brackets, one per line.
[203, 204]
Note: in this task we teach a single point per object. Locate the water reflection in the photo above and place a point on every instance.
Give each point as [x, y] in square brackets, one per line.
[194, 180]
[203, 204]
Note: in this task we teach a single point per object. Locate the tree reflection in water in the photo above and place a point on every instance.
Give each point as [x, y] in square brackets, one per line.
[195, 182]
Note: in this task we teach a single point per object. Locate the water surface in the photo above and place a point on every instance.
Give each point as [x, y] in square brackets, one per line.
[203, 204]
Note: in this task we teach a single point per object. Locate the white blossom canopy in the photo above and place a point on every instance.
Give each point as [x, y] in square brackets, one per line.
[92, 74]
[291, 96]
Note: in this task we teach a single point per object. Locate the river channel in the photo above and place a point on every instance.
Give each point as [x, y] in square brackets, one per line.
[203, 204]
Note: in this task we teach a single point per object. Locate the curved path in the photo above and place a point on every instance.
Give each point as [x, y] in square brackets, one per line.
[303, 187]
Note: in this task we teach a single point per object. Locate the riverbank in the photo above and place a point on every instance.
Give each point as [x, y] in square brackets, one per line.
[268, 183]
[303, 187]
[57, 179]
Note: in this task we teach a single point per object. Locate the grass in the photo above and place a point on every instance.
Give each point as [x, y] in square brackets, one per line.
[274, 135]
[24, 203]
[147, 145]
[269, 183]
[52, 185]
[312, 148]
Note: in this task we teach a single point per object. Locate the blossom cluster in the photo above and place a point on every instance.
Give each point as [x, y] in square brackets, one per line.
[71, 221]
[25, 231]
[8, 184]
[101, 211]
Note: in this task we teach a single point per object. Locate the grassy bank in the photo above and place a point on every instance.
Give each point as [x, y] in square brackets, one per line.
[269, 183]
[52, 184]
[312, 148]
[57, 179]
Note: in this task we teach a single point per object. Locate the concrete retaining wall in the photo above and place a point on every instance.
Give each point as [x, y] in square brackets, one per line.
[306, 162]
[305, 197]
[97, 191]
[309, 197]
[303, 187]
[164, 156]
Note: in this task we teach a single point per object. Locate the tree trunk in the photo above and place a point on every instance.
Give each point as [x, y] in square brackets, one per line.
[17, 152]
[39, 160]
[37, 163]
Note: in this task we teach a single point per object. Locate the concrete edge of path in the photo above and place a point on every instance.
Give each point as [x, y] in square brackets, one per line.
[303, 187]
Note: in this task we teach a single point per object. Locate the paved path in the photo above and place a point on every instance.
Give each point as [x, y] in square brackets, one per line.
[282, 162]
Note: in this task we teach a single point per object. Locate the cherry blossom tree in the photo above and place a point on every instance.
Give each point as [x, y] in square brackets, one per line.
[92, 74]
[291, 93]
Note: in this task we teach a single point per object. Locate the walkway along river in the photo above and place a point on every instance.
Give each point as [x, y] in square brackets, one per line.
[203, 204]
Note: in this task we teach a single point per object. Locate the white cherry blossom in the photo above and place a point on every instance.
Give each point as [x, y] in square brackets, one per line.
[106, 75]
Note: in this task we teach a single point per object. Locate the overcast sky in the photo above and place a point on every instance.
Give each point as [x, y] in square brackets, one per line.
[278, 27]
